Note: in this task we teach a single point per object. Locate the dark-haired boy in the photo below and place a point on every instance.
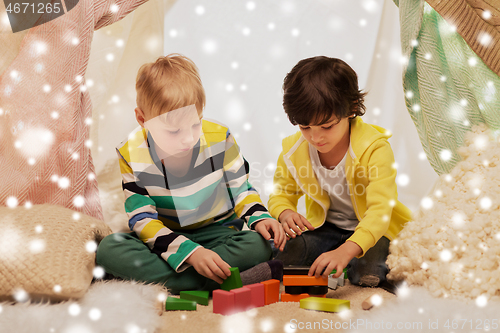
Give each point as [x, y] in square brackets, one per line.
[345, 169]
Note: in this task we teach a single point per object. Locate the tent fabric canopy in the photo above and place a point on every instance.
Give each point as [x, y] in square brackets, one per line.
[478, 22]
[448, 87]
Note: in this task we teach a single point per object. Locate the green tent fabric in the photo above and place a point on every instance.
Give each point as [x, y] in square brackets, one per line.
[448, 88]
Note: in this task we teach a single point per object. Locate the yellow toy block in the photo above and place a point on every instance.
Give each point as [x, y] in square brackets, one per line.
[325, 304]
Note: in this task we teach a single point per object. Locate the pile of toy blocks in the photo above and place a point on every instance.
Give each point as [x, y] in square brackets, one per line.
[299, 285]
[187, 301]
[311, 291]
[233, 297]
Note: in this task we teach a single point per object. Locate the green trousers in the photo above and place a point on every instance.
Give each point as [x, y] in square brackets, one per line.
[124, 255]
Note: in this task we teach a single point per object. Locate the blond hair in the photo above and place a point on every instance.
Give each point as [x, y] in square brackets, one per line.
[169, 83]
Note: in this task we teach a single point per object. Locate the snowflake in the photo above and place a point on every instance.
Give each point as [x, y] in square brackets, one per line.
[95, 314]
[12, 202]
[427, 203]
[91, 246]
[98, 272]
[445, 155]
[78, 201]
[200, 10]
[481, 301]
[247, 126]
[37, 246]
[445, 255]
[403, 180]
[209, 46]
[74, 309]
[485, 203]
[266, 325]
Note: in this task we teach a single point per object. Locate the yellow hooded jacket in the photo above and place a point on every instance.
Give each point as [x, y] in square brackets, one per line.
[370, 175]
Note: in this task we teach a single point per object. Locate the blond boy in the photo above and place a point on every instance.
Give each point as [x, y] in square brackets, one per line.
[187, 193]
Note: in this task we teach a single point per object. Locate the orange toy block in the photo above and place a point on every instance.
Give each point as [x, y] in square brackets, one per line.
[304, 280]
[271, 291]
[296, 298]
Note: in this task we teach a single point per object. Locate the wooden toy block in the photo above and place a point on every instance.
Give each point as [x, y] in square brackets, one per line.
[304, 280]
[296, 270]
[295, 290]
[199, 296]
[223, 302]
[317, 290]
[173, 303]
[233, 281]
[367, 304]
[296, 298]
[257, 294]
[325, 304]
[242, 299]
[371, 301]
[271, 291]
[340, 280]
[332, 282]
[344, 271]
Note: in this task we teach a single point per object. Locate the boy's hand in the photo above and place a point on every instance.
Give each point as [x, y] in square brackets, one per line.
[270, 228]
[209, 264]
[293, 223]
[335, 259]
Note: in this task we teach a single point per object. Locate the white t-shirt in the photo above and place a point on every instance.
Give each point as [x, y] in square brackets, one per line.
[334, 182]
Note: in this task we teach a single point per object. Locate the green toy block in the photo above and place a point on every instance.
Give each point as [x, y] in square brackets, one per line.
[345, 272]
[199, 296]
[173, 303]
[233, 281]
[325, 304]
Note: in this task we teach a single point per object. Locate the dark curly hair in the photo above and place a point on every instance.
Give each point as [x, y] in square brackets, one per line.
[320, 88]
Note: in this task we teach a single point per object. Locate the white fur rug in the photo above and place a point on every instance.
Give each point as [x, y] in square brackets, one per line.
[113, 306]
[415, 310]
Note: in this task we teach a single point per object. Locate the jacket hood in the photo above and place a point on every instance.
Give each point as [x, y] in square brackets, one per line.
[363, 135]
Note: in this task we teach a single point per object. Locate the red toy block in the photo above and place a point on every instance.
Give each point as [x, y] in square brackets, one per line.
[296, 298]
[272, 291]
[242, 299]
[223, 302]
[304, 280]
[257, 294]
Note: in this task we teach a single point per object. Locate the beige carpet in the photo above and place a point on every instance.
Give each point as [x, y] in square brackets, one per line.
[271, 318]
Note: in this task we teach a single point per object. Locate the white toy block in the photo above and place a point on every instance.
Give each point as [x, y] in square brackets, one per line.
[340, 280]
[332, 282]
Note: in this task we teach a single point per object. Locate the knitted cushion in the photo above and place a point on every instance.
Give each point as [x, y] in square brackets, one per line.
[47, 252]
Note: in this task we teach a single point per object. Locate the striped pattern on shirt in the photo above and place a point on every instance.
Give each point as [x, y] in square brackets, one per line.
[215, 190]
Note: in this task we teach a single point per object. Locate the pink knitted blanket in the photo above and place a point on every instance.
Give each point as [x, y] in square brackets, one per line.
[46, 112]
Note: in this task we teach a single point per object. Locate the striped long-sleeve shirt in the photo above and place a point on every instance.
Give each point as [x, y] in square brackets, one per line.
[215, 190]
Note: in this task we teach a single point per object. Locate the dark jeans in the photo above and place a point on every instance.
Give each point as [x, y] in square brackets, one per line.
[304, 249]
